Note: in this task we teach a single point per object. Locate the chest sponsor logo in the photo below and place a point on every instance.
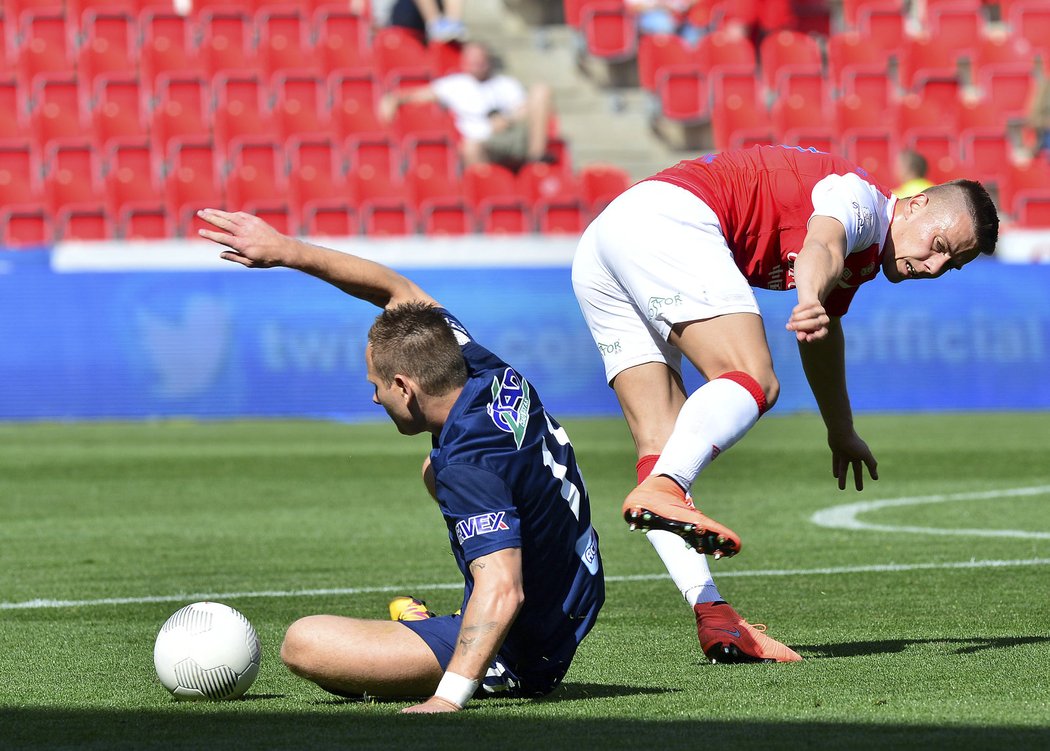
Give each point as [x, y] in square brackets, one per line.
[509, 408]
[482, 524]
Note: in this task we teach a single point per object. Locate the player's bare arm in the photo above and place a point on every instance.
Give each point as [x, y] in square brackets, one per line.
[824, 363]
[252, 242]
[494, 604]
[818, 267]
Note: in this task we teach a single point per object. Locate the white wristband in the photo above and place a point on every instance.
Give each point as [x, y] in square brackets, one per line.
[456, 689]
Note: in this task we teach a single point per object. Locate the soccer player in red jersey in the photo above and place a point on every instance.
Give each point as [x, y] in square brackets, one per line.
[667, 269]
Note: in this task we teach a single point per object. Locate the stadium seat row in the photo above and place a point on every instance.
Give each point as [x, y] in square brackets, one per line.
[303, 191]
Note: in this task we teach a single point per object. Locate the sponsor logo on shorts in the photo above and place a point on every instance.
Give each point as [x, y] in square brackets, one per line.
[658, 305]
[482, 524]
[610, 349]
[509, 408]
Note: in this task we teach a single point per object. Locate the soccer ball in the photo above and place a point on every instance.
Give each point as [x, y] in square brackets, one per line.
[207, 650]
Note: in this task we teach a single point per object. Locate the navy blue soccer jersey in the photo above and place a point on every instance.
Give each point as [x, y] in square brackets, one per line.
[506, 477]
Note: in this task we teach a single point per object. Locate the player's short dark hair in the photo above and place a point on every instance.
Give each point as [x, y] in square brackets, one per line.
[414, 339]
[980, 207]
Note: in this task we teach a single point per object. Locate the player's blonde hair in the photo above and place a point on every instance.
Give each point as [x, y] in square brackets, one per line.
[415, 340]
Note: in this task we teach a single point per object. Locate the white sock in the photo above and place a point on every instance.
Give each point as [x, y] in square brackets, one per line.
[713, 418]
[688, 569]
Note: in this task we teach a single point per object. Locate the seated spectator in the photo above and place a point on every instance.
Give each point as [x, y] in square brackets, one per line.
[679, 17]
[432, 20]
[498, 120]
[911, 172]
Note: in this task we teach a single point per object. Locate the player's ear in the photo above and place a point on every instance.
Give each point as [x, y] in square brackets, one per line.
[405, 386]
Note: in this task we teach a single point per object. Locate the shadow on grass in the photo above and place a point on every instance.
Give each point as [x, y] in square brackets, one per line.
[565, 692]
[964, 646]
[371, 727]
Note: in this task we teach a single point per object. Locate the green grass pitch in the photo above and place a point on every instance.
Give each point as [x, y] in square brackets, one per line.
[911, 638]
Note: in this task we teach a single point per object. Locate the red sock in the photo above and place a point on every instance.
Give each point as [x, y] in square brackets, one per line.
[645, 465]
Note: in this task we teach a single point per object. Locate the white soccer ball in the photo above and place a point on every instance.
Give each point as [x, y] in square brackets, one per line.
[207, 650]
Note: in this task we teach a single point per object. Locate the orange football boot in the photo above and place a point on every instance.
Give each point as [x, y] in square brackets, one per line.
[726, 637]
[660, 503]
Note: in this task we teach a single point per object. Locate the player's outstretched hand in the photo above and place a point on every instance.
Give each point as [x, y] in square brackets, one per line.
[432, 705]
[850, 451]
[250, 241]
[809, 321]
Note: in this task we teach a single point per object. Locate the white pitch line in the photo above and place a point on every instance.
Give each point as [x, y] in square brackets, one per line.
[219, 596]
[845, 516]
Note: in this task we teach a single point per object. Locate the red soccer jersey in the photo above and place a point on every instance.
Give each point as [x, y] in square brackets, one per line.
[764, 198]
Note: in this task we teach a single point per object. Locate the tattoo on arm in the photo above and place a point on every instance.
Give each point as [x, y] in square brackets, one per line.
[470, 635]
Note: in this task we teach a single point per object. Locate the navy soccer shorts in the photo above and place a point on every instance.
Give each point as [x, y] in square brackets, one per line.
[502, 679]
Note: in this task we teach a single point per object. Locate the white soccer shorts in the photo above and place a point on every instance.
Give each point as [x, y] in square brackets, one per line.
[655, 257]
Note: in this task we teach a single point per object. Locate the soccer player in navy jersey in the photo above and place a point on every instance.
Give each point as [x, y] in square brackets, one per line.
[504, 476]
[666, 270]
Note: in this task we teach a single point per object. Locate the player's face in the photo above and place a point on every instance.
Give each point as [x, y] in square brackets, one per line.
[392, 398]
[929, 238]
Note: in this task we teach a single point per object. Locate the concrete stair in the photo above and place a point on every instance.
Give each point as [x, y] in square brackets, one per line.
[602, 112]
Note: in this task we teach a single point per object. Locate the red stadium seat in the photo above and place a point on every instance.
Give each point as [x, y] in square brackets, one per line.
[423, 119]
[241, 105]
[447, 219]
[601, 184]
[883, 26]
[609, 30]
[399, 55]
[787, 48]
[166, 45]
[20, 171]
[1033, 175]
[504, 217]
[284, 44]
[58, 111]
[851, 9]
[1008, 87]
[84, 223]
[109, 44]
[435, 151]
[377, 152]
[656, 51]
[386, 219]
[26, 226]
[181, 109]
[301, 104]
[1031, 208]
[483, 182]
[926, 58]
[915, 112]
[560, 215]
[872, 84]
[330, 220]
[341, 39]
[226, 44]
[537, 181]
[940, 146]
[957, 25]
[985, 152]
[46, 46]
[794, 113]
[118, 110]
[849, 50]
[804, 82]
[1030, 20]
[191, 181]
[12, 101]
[874, 149]
[256, 173]
[722, 48]
[144, 223]
[739, 123]
[72, 174]
[683, 92]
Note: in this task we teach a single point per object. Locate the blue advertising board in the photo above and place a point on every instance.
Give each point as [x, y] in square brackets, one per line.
[83, 342]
